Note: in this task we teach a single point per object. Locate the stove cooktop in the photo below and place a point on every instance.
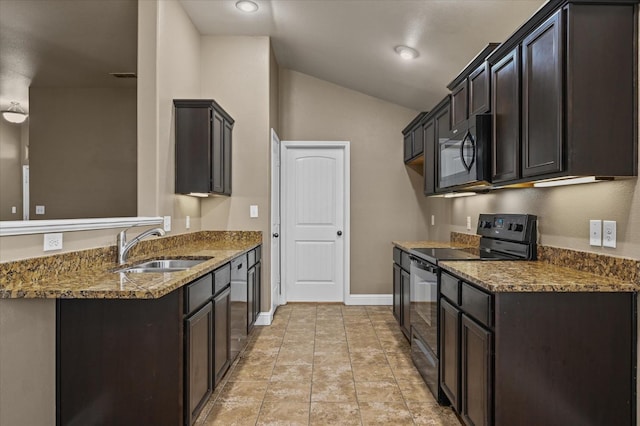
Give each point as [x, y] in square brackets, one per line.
[433, 255]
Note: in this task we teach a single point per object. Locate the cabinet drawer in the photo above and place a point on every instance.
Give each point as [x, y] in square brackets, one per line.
[397, 254]
[222, 278]
[198, 292]
[449, 287]
[405, 261]
[476, 303]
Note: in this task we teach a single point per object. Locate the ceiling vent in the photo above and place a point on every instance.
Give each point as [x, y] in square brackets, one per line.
[123, 74]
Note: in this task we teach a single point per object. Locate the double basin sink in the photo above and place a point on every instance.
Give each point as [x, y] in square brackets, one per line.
[163, 265]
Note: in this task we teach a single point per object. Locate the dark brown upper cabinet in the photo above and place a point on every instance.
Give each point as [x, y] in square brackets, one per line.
[435, 127]
[570, 95]
[203, 132]
[470, 90]
[505, 98]
[414, 143]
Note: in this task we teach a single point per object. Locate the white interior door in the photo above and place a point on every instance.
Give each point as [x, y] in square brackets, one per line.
[315, 220]
[275, 220]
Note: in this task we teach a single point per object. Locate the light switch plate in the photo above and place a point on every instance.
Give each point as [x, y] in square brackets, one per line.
[595, 233]
[468, 223]
[253, 210]
[187, 222]
[609, 233]
[167, 223]
[52, 242]
[433, 219]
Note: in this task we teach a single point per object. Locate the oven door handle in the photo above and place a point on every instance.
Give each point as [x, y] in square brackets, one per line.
[423, 265]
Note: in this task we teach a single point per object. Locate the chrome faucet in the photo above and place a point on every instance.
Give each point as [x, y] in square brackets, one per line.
[124, 246]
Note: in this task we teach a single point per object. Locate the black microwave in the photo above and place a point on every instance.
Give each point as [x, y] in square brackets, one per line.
[463, 160]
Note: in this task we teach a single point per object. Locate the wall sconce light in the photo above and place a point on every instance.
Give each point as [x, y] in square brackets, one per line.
[14, 114]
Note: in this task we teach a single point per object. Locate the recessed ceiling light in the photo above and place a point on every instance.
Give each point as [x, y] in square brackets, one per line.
[247, 6]
[406, 52]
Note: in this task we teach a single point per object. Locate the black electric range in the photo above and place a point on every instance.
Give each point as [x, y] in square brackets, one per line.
[502, 237]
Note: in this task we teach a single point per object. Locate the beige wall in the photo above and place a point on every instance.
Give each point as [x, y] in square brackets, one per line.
[10, 170]
[82, 152]
[563, 213]
[385, 195]
[236, 73]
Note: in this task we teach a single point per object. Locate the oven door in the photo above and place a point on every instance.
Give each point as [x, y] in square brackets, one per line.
[424, 302]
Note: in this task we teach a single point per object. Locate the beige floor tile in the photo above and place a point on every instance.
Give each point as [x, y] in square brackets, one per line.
[376, 358]
[415, 391]
[378, 392]
[331, 347]
[385, 413]
[233, 413]
[288, 391]
[295, 357]
[432, 414]
[300, 373]
[334, 413]
[399, 360]
[243, 392]
[284, 413]
[331, 358]
[371, 373]
[258, 359]
[251, 373]
[408, 375]
[334, 372]
[333, 391]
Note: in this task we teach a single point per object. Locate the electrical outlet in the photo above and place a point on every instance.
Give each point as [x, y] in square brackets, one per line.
[167, 223]
[595, 233]
[187, 222]
[433, 219]
[609, 233]
[14, 210]
[39, 209]
[253, 210]
[52, 242]
[468, 223]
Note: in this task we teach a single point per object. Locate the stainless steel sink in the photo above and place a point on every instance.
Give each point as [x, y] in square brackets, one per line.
[163, 265]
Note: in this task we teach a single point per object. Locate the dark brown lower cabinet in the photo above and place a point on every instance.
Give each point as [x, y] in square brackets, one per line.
[548, 358]
[476, 361]
[396, 291]
[222, 334]
[405, 297]
[401, 291]
[450, 352]
[198, 360]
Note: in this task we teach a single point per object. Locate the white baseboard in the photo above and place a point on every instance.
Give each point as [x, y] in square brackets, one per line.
[264, 318]
[369, 299]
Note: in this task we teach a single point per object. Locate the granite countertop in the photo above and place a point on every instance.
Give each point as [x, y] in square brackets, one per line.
[534, 276]
[25, 281]
[409, 245]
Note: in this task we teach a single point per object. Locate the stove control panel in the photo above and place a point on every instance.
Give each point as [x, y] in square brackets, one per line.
[513, 227]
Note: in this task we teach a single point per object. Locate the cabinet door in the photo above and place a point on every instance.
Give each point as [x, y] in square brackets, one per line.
[418, 141]
[217, 153]
[226, 166]
[396, 292]
[405, 308]
[542, 98]
[459, 111]
[477, 372]
[449, 352]
[505, 101]
[479, 99]
[198, 361]
[429, 137]
[251, 295]
[222, 334]
[193, 136]
[443, 134]
[408, 146]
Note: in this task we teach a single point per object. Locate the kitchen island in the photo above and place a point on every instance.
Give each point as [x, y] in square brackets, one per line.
[120, 346]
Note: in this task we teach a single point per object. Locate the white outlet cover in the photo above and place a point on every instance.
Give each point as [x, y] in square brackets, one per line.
[167, 223]
[609, 233]
[39, 209]
[468, 223]
[52, 242]
[433, 219]
[595, 233]
[253, 210]
[187, 222]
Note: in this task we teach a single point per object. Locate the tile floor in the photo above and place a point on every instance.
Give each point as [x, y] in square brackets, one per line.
[325, 364]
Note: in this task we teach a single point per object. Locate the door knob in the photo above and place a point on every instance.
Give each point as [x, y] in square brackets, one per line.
[275, 235]
[339, 233]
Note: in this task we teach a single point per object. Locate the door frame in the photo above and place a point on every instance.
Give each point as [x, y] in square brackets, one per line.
[346, 147]
[276, 207]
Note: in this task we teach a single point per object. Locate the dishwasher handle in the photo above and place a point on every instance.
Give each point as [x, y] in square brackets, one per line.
[421, 264]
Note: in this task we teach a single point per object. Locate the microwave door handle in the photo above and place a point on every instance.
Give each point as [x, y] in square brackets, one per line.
[467, 138]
